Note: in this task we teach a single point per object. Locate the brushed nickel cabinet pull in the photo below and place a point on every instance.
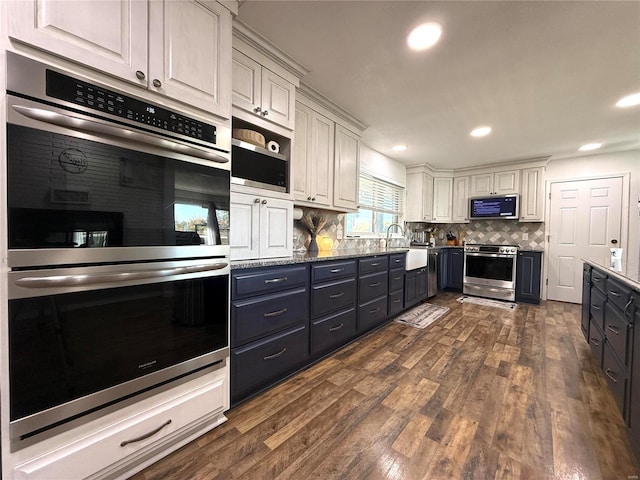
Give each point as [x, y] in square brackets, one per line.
[336, 295]
[374, 284]
[397, 278]
[337, 327]
[608, 372]
[337, 270]
[375, 264]
[275, 355]
[615, 294]
[595, 342]
[627, 306]
[276, 280]
[611, 329]
[146, 435]
[375, 310]
[277, 313]
[595, 307]
[595, 279]
[396, 301]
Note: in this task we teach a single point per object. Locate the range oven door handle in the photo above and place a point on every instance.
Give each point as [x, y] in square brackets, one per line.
[489, 255]
[105, 129]
[98, 278]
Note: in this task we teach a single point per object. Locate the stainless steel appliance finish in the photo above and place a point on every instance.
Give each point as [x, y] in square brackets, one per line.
[258, 167]
[490, 271]
[432, 281]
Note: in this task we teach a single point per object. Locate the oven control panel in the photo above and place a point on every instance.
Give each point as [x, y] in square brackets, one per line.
[501, 249]
[106, 101]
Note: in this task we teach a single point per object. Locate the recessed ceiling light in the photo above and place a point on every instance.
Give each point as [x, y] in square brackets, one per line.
[480, 131]
[424, 36]
[590, 146]
[629, 100]
[399, 148]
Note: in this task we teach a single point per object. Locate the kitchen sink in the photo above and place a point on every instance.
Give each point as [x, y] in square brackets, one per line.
[417, 258]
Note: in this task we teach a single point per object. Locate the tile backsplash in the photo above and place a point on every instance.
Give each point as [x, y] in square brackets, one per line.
[478, 231]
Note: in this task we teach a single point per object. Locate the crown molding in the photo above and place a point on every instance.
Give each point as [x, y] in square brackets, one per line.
[317, 97]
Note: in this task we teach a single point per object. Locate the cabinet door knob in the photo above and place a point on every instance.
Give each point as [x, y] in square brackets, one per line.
[264, 113]
[313, 199]
[257, 200]
[309, 198]
[140, 75]
[257, 109]
[157, 83]
[264, 202]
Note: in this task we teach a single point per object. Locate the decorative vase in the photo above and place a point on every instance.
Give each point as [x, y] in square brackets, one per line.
[313, 244]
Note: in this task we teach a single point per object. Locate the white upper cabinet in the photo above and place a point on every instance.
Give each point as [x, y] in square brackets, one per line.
[460, 208]
[419, 206]
[442, 199]
[498, 183]
[346, 169]
[155, 44]
[532, 195]
[258, 90]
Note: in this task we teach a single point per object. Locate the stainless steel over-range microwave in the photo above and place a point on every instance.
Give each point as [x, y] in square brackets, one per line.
[506, 207]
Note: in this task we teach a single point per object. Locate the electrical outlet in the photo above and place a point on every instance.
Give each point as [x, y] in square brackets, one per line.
[525, 236]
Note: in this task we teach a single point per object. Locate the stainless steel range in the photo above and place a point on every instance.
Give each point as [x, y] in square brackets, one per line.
[490, 271]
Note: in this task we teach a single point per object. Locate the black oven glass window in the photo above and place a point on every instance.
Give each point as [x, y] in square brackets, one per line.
[493, 268]
[67, 346]
[67, 192]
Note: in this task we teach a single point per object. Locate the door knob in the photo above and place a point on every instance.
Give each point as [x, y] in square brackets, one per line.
[140, 75]
[614, 241]
[264, 113]
[257, 200]
[257, 109]
[157, 83]
[264, 202]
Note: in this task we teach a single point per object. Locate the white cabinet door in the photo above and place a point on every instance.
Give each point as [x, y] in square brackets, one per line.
[321, 160]
[419, 197]
[244, 226]
[110, 36]
[481, 184]
[301, 152]
[247, 86]
[346, 169]
[427, 198]
[442, 199]
[460, 212]
[190, 53]
[278, 99]
[506, 182]
[276, 228]
[532, 195]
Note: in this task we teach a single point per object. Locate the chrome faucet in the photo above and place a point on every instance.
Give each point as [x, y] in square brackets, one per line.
[394, 225]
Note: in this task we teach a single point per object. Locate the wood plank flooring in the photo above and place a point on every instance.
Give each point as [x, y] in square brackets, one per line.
[482, 393]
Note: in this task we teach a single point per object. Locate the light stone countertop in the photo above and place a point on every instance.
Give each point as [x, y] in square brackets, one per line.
[631, 278]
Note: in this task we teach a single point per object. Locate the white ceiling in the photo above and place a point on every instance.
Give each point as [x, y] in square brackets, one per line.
[544, 75]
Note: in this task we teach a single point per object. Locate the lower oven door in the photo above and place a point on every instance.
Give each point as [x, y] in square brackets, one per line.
[83, 338]
[490, 269]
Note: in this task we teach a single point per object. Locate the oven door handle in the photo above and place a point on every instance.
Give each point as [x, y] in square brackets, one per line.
[98, 278]
[92, 126]
[489, 255]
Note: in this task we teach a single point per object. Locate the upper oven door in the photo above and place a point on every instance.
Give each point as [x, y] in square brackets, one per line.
[82, 196]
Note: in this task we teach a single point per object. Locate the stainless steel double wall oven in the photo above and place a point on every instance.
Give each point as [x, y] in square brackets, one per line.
[118, 213]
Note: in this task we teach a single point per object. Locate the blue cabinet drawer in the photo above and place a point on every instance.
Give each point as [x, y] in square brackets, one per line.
[259, 363]
[616, 330]
[598, 280]
[333, 331]
[377, 263]
[621, 296]
[597, 307]
[371, 286]
[596, 343]
[257, 317]
[265, 280]
[397, 260]
[395, 302]
[396, 279]
[372, 313]
[329, 271]
[332, 296]
[616, 376]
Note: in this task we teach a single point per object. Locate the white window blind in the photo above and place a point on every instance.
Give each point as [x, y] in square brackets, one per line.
[381, 196]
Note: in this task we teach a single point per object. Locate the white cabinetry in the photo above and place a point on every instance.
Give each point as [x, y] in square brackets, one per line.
[532, 195]
[313, 157]
[419, 197]
[497, 183]
[442, 199]
[145, 43]
[346, 169]
[260, 226]
[258, 90]
[460, 213]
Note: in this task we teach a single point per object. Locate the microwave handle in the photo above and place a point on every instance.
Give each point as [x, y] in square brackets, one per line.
[124, 276]
[91, 126]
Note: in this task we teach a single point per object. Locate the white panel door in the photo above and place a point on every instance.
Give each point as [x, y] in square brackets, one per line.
[278, 99]
[302, 153]
[442, 199]
[322, 151]
[276, 228]
[460, 199]
[585, 218]
[108, 35]
[190, 53]
[532, 198]
[346, 169]
[506, 182]
[247, 82]
[244, 226]
[481, 184]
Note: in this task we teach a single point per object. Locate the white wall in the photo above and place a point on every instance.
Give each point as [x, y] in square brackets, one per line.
[607, 164]
[382, 166]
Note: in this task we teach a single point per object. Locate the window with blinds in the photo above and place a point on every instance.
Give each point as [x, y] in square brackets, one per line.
[381, 204]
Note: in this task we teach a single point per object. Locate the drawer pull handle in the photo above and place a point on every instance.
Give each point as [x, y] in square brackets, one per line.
[374, 284]
[336, 295]
[615, 294]
[375, 310]
[396, 301]
[276, 280]
[611, 329]
[337, 270]
[595, 342]
[337, 327]
[146, 435]
[596, 279]
[595, 307]
[609, 373]
[275, 355]
[627, 306]
[375, 264]
[397, 278]
[277, 313]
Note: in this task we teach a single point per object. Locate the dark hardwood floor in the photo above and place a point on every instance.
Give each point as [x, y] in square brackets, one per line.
[482, 393]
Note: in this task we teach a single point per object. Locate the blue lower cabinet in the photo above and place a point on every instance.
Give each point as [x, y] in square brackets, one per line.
[259, 363]
[330, 297]
[528, 276]
[331, 332]
[396, 301]
[372, 313]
